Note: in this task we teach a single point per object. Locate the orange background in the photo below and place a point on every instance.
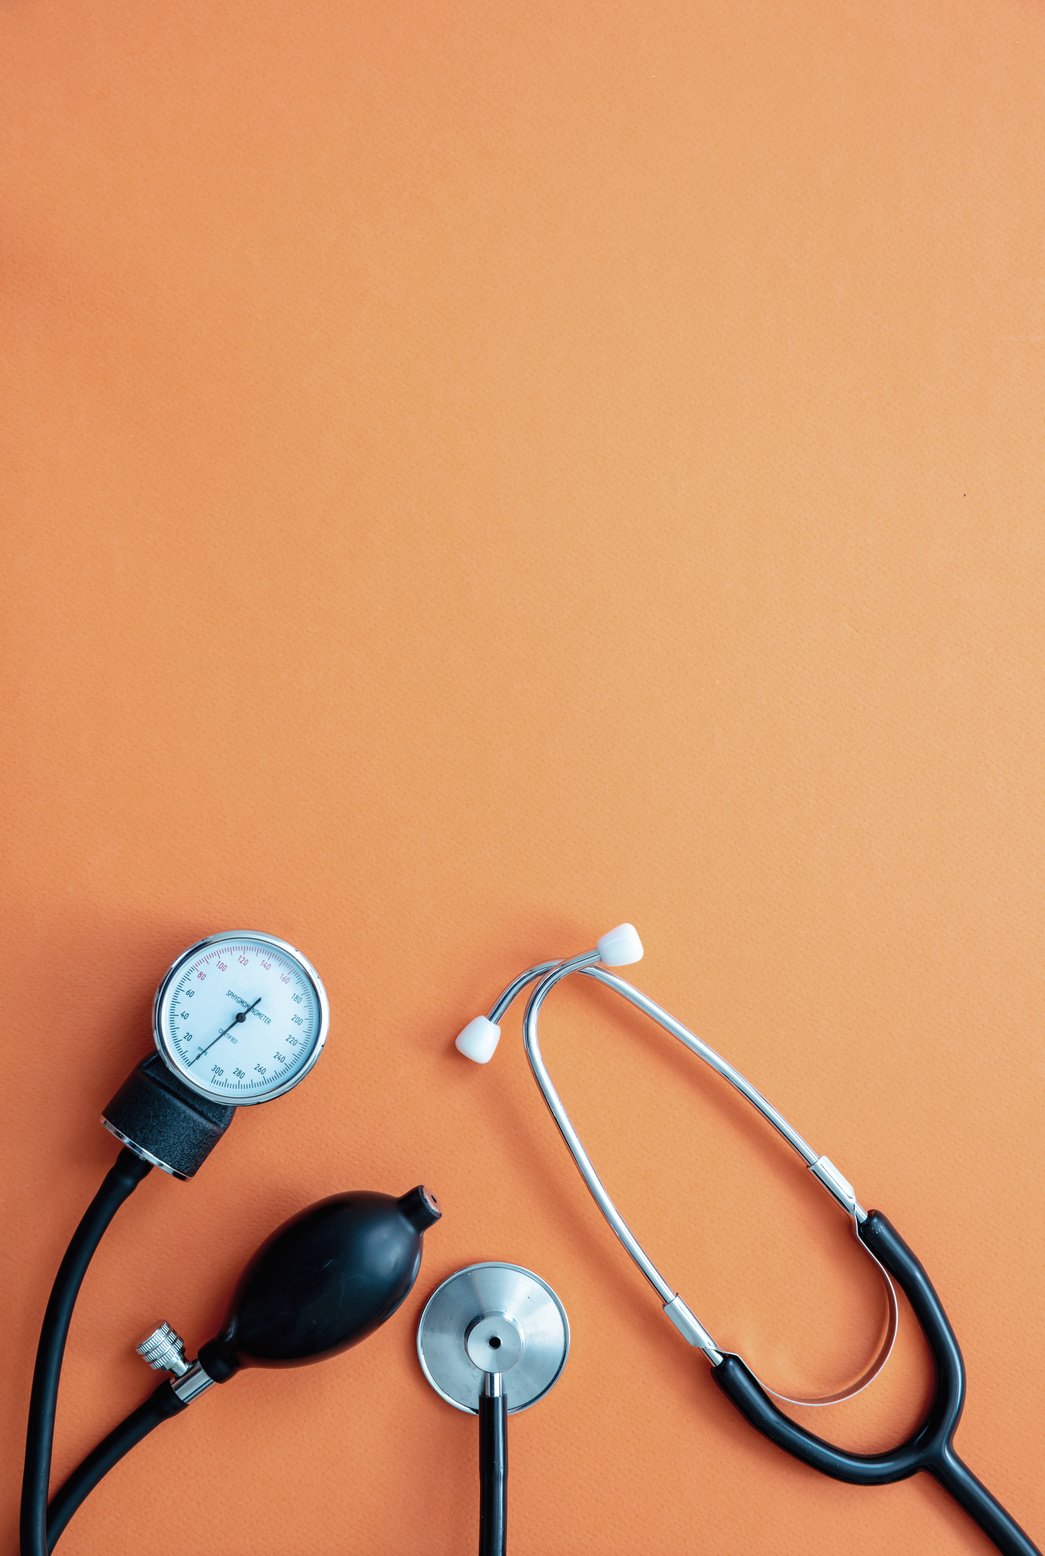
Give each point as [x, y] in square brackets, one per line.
[477, 473]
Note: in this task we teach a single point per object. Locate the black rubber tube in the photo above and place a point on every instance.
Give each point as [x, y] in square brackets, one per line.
[983, 1508]
[493, 1475]
[930, 1446]
[159, 1407]
[118, 1184]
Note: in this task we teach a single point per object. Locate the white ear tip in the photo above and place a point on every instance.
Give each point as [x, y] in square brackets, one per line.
[478, 1040]
[620, 947]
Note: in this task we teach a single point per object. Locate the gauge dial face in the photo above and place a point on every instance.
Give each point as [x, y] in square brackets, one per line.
[241, 1017]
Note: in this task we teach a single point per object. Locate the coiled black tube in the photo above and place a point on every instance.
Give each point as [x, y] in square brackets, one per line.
[118, 1184]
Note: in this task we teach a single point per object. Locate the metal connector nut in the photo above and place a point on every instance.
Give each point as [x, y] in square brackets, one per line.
[164, 1350]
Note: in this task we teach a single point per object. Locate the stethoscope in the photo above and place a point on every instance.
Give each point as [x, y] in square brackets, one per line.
[930, 1447]
[239, 1019]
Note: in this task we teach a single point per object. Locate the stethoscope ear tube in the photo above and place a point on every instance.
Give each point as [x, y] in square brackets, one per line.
[930, 1447]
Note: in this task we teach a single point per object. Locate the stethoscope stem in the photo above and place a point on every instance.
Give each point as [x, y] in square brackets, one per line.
[493, 1467]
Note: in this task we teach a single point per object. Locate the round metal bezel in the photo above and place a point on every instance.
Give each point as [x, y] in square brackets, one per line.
[162, 996]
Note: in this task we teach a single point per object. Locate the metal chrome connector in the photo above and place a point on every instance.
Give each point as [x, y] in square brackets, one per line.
[838, 1187]
[164, 1350]
[691, 1329]
[191, 1383]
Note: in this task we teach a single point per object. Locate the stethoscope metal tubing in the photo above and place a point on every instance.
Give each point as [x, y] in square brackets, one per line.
[573, 1141]
[550, 974]
[545, 976]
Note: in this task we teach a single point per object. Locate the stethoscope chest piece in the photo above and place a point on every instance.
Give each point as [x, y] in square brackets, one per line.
[493, 1321]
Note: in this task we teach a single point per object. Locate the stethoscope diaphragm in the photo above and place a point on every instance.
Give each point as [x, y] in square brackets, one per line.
[493, 1319]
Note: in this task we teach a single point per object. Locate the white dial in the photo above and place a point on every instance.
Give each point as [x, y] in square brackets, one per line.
[241, 1017]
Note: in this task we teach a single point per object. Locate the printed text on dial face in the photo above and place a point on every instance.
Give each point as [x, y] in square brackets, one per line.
[242, 1019]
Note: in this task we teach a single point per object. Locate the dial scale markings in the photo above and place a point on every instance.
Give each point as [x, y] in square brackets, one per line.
[241, 1018]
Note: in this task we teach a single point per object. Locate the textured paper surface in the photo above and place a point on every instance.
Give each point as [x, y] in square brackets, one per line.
[475, 474]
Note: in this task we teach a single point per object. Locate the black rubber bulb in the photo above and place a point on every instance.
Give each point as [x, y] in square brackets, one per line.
[323, 1281]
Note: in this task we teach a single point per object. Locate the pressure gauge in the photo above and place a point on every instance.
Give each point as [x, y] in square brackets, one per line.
[241, 1017]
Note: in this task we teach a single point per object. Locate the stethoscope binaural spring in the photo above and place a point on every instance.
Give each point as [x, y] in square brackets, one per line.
[930, 1446]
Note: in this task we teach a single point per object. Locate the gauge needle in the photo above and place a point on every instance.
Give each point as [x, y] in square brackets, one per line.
[241, 1015]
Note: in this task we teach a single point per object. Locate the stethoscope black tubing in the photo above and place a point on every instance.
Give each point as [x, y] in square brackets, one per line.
[493, 1475]
[930, 1446]
[118, 1184]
